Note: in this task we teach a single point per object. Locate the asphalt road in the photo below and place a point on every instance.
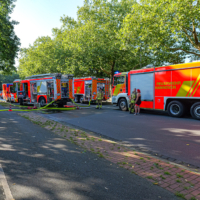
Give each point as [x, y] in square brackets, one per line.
[177, 138]
[40, 165]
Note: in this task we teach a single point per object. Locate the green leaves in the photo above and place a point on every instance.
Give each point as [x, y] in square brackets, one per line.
[169, 28]
[112, 35]
[9, 42]
[7, 78]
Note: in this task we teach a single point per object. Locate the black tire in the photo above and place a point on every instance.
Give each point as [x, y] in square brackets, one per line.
[21, 102]
[123, 104]
[42, 101]
[176, 109]
[195, 110]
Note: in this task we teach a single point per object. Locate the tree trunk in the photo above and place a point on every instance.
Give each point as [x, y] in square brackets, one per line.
[111, 77]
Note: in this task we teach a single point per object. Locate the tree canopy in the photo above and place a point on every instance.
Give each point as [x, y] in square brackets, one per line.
[88, 46]
[117, 35]
[9, 42]
[8, 78]
[170, 28]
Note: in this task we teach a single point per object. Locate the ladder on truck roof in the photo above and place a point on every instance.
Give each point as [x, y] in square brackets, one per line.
[91, 77]
[85, 77]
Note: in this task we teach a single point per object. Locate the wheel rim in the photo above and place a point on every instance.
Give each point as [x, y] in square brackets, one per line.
[197, 111]
[175, 109]
[122, 104]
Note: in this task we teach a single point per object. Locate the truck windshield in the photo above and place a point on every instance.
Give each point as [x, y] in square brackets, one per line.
[119, 80]
[12, 89]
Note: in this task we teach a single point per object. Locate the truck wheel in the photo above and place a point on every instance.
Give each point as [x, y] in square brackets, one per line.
[42, 101]
[21, 102]
[123, 105]
[176, 109]
[195, 110]
[81, 99]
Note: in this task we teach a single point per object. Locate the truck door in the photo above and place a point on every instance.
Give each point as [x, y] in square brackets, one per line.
[107, 89]
[33, 92]
[50, 91]
[88, 89]
[26, 89]
[119, 85]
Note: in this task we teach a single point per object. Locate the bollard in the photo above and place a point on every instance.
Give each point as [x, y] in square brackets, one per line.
[10, 109]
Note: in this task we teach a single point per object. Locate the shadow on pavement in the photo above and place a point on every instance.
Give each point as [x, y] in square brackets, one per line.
[40, 165]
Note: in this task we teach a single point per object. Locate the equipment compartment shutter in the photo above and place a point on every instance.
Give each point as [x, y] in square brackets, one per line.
[144, 82]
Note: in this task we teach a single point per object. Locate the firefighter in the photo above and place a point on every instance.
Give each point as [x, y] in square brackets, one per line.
[99, 98]
[132, 101]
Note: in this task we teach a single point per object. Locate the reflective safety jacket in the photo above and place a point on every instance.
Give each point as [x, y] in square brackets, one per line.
[133, 97]
[99, 95]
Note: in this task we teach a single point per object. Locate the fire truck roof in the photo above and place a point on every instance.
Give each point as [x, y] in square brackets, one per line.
[8, 84]
[49, 75]
[17, 80]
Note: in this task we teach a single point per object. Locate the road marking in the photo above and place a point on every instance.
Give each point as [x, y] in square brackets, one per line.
[5, 185]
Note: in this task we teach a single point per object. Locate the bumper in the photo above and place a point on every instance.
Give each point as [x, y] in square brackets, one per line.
[114, 100]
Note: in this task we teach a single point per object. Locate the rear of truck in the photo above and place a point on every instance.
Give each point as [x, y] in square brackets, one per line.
[85, 89]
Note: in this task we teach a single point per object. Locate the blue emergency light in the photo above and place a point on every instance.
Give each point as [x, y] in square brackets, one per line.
[116, 72]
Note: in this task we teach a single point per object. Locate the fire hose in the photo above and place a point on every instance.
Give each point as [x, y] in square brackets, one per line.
[46, 107]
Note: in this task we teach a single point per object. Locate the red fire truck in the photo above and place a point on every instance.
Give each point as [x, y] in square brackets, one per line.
[45, 88]
[8, 92]
[86, 88]
[173, 88]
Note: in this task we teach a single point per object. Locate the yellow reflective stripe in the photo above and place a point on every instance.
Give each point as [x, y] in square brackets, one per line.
[197, 82]
[195, 90]
[191, 91]
[184, 89]
[117, 88]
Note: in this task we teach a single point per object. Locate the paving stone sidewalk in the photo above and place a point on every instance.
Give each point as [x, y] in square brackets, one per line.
[180, 181]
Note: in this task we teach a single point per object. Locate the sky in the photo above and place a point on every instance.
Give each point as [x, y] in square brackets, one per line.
[38, 17]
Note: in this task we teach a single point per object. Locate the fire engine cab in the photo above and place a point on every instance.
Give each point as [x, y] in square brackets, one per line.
[86, 88]
[45, 88]
[8, 92]
[173, 88]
